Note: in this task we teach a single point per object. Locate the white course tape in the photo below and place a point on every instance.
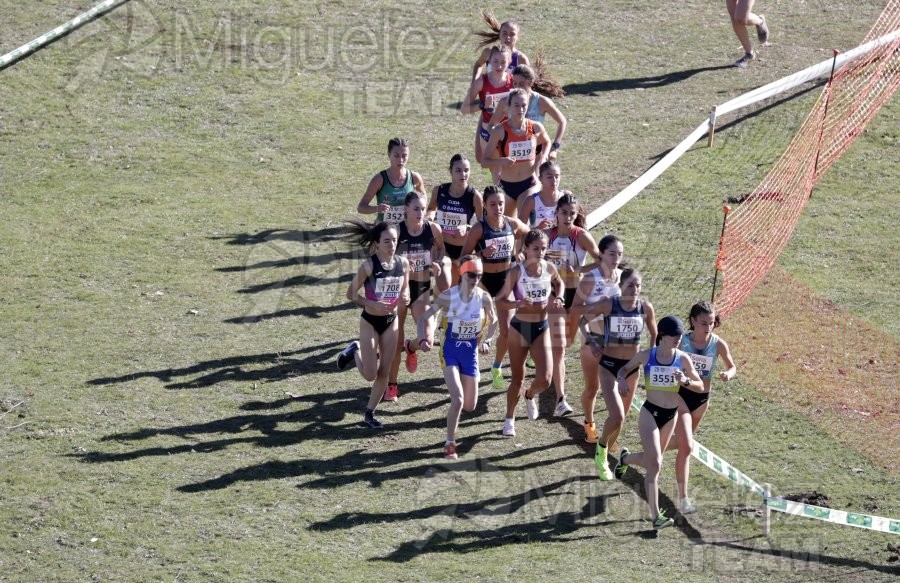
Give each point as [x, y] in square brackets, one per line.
[766, 91]
[868, 521]
[726, 470]
[57, 32]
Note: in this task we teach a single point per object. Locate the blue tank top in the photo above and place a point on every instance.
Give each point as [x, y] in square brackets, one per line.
[416, 249]
[395, 197]
[704, 361]
[504, 240]
[661, 377]
[624, 326]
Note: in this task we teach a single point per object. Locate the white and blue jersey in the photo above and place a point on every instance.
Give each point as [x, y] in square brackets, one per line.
[463, 323]
[661, 377]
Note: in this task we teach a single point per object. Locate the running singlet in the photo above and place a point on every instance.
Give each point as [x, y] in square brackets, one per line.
[395, 197]
[503, 241]
[602, 287]
[534, 109]
[534, 289]
[384, 284]
[704, 361]
[661, 377]
[416, 249]
[452, 213]
[520, 148]
[490, 95]
[566, 250]
[464, 319]
[623, 326]
[542, 211]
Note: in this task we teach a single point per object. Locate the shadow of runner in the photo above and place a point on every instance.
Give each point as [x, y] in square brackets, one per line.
[596, 87]
[273, 366]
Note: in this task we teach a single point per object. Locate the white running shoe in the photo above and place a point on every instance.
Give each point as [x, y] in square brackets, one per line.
[562, 408]
[687, 506]
[531, 410]
[509, 427]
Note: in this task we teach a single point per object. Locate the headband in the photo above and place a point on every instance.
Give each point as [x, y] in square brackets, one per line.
[471, 266]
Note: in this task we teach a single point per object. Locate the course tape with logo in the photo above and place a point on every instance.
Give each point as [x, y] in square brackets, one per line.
[728, 471]
[57, 32]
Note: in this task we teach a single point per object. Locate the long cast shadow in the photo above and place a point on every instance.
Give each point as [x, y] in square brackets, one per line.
[280, 365]
[594, 88]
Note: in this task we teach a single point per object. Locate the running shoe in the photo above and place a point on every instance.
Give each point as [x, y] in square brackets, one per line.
[762, 31]
[590, 433]
[369, 419]
[686, 506]
[562, 408]
[662, 521]
[450, 452]
[509, 427]
[391, 393]
[529, 362]
[622, 467]
[412, 359]
[346, 356]
[602, 464]
[497, 378]
[745, 60]
[531, 409]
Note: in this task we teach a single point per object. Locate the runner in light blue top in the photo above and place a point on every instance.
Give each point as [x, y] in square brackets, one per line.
[704, 349]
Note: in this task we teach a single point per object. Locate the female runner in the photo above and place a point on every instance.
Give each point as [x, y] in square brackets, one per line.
[390, 187]
[484, 94]
[512, 152]
[537, 287]
[453, 205]
[385, 277]
[626, 317]
[602, 281]
[507, 34]
[666, 370]
[703, 347]
[741, 13]
[420, 242]
[569, 246]
[539, 104]
[539, 209]
[495, 238]
[469, 309]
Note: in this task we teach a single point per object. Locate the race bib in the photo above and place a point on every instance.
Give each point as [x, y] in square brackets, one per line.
[557, 257]
[702, 364]
[395, 214]
[419, 260]
[626, 328]
[536, 292]
[450, 221]
[388, 288]
[521, 150]
[492, 99]
[466, 329]
[662, 376]
[503, 247]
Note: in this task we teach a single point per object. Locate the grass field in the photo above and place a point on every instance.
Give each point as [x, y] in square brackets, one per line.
[172, 180]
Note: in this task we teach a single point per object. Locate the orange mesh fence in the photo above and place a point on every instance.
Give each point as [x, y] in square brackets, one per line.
[803, 350]
[760, 228]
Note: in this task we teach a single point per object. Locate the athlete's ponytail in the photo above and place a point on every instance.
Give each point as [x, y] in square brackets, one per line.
[367, 234]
